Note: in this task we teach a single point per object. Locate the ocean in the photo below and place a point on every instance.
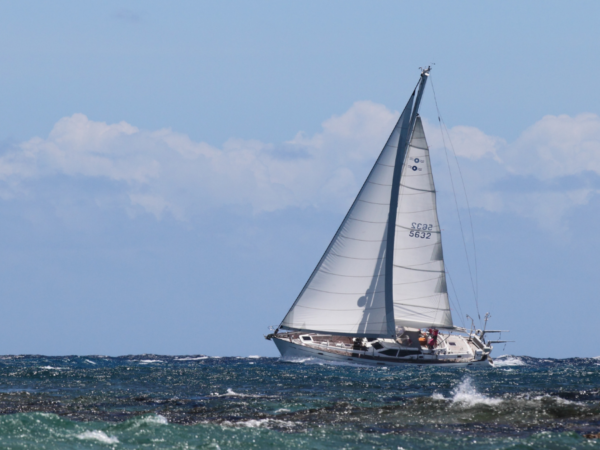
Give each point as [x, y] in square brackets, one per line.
[199, 402]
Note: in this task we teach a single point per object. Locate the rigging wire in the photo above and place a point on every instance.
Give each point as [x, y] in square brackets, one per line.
[474, 284]
[462, 321]
[468, 209]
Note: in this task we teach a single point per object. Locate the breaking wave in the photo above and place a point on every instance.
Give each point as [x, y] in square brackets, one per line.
[231, 393]
[199, 358]
[466, 395]
[508, 360]
[99, 436]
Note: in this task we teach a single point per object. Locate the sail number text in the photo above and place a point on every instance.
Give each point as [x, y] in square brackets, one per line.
[420, 230]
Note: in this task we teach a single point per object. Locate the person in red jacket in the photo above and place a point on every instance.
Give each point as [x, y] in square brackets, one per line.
[432, 341]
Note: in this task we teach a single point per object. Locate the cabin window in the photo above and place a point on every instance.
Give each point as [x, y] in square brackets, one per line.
[389, 352]
[377, 346]
[306, 338]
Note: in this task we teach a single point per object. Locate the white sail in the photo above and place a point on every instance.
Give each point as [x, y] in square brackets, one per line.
[346, 292]
[359, 288]
[420, 293]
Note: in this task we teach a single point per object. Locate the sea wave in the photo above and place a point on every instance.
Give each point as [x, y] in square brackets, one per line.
[260, 423]
[508, 360]
[149, 420]
[324, 362]
[231, 393]
[466, 395]
[199, 358]
[99, 436]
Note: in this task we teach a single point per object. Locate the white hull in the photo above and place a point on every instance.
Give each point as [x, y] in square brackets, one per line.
[295, 350]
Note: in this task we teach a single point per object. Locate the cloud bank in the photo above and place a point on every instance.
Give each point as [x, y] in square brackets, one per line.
[164, 172]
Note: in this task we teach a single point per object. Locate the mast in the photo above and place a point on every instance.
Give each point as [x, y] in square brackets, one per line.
[405, 134]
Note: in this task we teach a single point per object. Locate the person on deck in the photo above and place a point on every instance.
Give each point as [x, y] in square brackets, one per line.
[433, 336]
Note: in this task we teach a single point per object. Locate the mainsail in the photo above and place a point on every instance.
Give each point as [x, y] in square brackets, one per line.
[357, 289]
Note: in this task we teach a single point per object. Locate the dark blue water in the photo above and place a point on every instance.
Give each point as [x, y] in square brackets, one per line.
[152, 401]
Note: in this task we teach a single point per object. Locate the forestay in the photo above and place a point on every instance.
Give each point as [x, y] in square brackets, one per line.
[346, 292]
[420, 293]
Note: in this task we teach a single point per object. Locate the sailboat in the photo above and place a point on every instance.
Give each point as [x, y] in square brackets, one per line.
[378, 296]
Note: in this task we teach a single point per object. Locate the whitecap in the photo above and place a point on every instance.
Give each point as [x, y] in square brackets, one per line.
[465, 394]
[504, 361]
[259, 423]
[437, 396]
[99, 436]
[52, 368]
[254, 356]
[231, 393]
[156, 419]
[559, 400]
[150, 361]
[322, 362]
[192, 359]
[91, 362]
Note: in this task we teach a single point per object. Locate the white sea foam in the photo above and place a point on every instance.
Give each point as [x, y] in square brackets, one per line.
[254, 356]
[507, 360]
[155, 419]
[321, 362]
[231, 393]
[52, 368]
[192, 359]
[259, 423]
[437, 396]
[99, 436]
[150, 361]
[465, 394]
[91, 362]
[559, 400]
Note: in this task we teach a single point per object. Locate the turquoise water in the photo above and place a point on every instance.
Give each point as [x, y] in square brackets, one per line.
[152, 401]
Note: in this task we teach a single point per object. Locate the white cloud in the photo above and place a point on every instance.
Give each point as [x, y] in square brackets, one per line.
[557, 146]
[544, 154]
[165, 172]
[467, 142]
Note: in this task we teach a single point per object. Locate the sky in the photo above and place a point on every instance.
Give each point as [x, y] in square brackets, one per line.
[171, 173]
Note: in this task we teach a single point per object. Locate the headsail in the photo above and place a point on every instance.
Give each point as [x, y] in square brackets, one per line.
[346, 292]
[420, 294]
[376, 272]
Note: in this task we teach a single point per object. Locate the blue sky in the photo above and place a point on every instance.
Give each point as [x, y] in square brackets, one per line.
[171, 173]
